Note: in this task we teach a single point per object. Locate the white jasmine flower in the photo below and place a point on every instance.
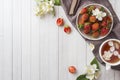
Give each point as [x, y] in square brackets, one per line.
[90, 77]
[110, 43]
[107, 55]
[116, 53]
[99, 14]
[51, 3]
[112, 48]
[37, 11]
[44, 7]
[91, 69]
[91, 72]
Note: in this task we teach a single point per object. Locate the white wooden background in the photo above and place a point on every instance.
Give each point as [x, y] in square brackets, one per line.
[36, 49]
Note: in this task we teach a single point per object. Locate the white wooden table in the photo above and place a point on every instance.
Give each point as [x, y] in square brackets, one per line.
[36, 49]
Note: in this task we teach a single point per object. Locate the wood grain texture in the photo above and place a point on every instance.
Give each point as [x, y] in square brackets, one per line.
[34, 48]
[7, 40]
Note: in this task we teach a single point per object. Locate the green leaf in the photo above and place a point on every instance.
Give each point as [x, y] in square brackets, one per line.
[94, 61]
[57, 2]
[102, 9]
[80, 26]
[82, 77]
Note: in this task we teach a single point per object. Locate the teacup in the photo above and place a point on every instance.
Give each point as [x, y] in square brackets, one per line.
[109, 52]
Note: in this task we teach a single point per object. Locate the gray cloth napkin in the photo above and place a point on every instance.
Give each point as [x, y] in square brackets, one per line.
[115, 33]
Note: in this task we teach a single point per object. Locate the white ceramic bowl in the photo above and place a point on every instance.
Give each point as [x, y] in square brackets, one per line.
[90, 37]
[111, 64]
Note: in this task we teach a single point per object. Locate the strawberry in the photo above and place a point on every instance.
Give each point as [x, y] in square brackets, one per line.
[105, 18]
[87, 29]
[95, 26]
[104, 31]
[84, 10]
[67, 29]
[92, 19]
[60, 22]
[95, 34]
[72, 69]
[80, 22]
[85, 17]
[109, 20]
[104, 24]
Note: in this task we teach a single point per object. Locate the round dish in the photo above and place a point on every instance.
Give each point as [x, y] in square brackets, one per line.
[101, 54]
[89, 36]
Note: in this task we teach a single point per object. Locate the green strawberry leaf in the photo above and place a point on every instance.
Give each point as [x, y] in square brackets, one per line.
[94, 61]
[80, 26]
[82, 77]
[102, 9]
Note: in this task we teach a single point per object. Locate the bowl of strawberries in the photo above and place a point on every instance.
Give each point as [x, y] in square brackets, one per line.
[94, 21]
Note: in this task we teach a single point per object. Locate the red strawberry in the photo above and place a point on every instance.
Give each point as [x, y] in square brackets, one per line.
[80, 21]
[95, 26]
[109, 20]
[104, 24]
[67, 29]
[85, 17]
[95, 34]
[104, 31]
[84, 10]
[60, 22]
[105, 18]
[87, 29]
[92, 19]
[72, 69]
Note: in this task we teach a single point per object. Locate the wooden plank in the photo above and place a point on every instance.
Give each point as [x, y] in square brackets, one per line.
[90, 55]
[72, 51]
[7, 56]
[26, 39]
[117, 75]
[111, 74]
[35, 53]
[1, 17]
[1, 58]
[1, 39]
[48, 48]
[17, 47]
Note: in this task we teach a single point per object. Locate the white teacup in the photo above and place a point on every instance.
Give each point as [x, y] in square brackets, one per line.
[108, 64]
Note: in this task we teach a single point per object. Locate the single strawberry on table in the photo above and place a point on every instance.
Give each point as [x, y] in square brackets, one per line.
[60, 22]
[67, 29]
[72, 69]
